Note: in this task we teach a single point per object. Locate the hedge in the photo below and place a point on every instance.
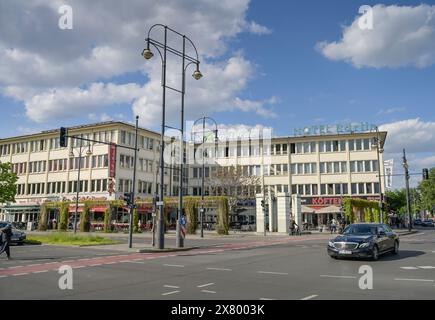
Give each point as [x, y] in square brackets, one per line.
[85, 219]
[370, 209]
[63, 219]
[223, 218]
[107, 220]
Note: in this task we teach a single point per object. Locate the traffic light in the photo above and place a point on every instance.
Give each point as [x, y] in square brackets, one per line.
[63, 138]
[262, 203]
[425, 174]
[128, 197]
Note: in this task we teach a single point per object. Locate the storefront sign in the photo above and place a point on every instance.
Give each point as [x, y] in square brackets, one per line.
[335, 129]
[112, 161]
[328, 201]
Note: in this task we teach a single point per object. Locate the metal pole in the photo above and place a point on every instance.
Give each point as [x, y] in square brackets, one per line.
[378, 149]
[133, 192]
[263, 189]
[408, 203]
[179, 240]
[78, 189]
[202, 180]
[161, 218]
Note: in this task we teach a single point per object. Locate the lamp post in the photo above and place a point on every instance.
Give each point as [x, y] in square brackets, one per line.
[71, 155]
[408, 202]
[203, 119]
[148, 54]
[379, 150]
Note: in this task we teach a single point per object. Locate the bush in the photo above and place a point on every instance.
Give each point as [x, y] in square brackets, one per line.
[85, 220]
[135, 221]
[107, 220]
[223, 217]
[191, 210]
[63, 220]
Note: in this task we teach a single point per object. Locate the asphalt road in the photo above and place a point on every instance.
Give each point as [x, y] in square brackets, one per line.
[245, 268]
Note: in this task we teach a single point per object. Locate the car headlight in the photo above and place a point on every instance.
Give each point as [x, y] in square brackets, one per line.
[331, 244]
[364, 245]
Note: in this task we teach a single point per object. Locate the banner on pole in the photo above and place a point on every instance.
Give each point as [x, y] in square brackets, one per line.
[388, 172]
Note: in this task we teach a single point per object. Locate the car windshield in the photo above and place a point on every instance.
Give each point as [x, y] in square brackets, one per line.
[360, 229]
[2, 224]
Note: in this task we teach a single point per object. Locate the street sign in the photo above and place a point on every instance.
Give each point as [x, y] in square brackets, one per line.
[183, 221]
[160, 203]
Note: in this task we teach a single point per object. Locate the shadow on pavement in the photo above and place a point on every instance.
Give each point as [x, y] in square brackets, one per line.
[403, 254]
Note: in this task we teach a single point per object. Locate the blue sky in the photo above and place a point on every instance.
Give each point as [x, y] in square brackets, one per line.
[282, 79]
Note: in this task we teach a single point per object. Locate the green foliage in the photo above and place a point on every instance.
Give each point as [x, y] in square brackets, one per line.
[191, 210]
[8, 179]
[107, 220]
[85, 219]
[427, 191]
[43, 218]
[223, 217]
[63, 221]
[135, 221]
[370, 209]
[63, 238]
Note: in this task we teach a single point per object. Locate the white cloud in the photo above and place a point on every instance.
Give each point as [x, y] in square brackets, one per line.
[255, 28]
[58, 74]
[390, 111]
[402, 36]
[414, 135]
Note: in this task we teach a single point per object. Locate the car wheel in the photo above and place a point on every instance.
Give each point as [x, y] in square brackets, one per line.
[375, 253]
[396, 247]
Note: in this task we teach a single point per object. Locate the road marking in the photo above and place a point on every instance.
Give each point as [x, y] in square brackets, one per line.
[125, 261]
[219, 269]
[34, 265]
[45, 271]
[409, 268]
[207, 291]
[168, 293]
[95, 265]
[276, 273]
[2, 277]
[79, 267]
[171, 287]
[310, 297]
[206, 285]
[339, 277]
[267, 299]
[20, 274]
[426, 267]
[15, 267]
[173, 265]
[136, 262]
[418, 280]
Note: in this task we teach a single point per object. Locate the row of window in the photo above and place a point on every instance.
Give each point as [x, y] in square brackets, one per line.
[128, 138]
[334, 189]
[97, 185]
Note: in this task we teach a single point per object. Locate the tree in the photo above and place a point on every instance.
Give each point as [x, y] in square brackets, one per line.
[234, 182]
[427, 190]
[8, 179]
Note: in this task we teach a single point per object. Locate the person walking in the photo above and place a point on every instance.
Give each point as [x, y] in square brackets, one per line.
[6, 235]
[333, 226]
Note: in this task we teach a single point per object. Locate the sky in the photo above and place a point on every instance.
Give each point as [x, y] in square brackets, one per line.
[279, 64]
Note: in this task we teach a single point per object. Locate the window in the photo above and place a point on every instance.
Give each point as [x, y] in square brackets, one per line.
[315, 189]
[338, 189]
[307, 168]
[335, 146]
[352, 166]
[351, 145]
[329, 167]
[366, 144]
[330, 189]
[313, 147]
[354, 188]
[375, 166]
[308, 189]
[358, 144]
[342, 145]
[278, 149]
[360, 167]
[284, 148]
[336, 167]
[345, 188]
[376, 188]
[293, 169]
[300, 168]
[343, 167]
[328, 147]
[299, 148]
[361, 188]
[323, 189]
[307, 147]
[367, 166]
[314, 168]
[300, 189]
[292, 148]
[369, 188]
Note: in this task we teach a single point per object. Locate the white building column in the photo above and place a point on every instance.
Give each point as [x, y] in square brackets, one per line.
[259, 214]
[283, 206]
[297, 209]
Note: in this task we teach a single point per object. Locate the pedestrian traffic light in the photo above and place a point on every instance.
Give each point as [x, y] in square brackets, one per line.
[425, 174]
[63, 137]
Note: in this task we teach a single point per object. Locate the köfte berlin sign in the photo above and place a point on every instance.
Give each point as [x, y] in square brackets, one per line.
[335, 129]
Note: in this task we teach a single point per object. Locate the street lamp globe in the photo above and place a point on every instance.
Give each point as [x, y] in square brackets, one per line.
[71, 154]
[89, 153]
[147, 54]
[197, 75]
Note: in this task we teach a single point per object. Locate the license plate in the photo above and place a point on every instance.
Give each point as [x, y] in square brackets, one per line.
[345, 252]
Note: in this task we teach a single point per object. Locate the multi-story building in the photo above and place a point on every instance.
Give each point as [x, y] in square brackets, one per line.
[48, 172]
[321, 168]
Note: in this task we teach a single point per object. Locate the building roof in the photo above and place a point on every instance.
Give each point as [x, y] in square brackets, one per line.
[77, 128]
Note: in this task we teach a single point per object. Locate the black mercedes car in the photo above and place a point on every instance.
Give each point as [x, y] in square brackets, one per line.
[364, 240]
